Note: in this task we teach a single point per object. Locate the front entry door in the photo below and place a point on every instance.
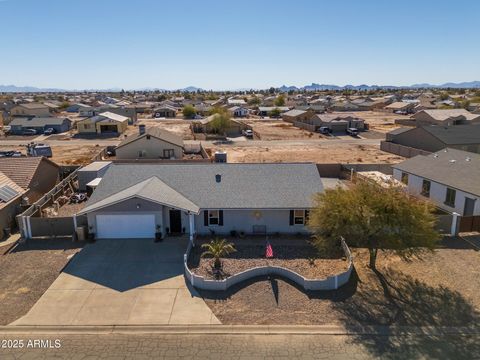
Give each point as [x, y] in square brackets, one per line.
[469, 206]
[175, 221]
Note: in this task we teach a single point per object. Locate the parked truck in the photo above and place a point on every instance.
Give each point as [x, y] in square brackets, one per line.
[34, 149]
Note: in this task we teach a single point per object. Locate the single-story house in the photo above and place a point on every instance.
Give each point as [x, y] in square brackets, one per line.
[266, 110]
[165, 111]
[75, 108]
[37, 175]
[86, 110]
[401, 106]
[434, 138]
[40, 124]
[145, 200]
[345, 105]
[297, 115]
[336, 122]
[238, 111]
[10, 203]
[104, 123]
[450, 178]
[150, 143]
[30, 109]
[445, 117]
[205, 126]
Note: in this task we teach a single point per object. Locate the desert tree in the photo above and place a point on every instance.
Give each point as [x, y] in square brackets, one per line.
[378, 218]
[189, 112]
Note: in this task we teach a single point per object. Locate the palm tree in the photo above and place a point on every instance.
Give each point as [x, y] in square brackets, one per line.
[217, 249]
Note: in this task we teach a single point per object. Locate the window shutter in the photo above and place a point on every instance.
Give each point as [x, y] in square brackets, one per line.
[307, 214]
[291, 217]
[220, 217]
[205, 217]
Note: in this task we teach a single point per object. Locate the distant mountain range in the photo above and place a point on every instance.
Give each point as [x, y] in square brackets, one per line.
[320, 87]
[32, 89]
[284, 88]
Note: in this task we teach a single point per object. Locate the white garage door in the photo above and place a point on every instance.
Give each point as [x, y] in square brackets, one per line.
[125, 226]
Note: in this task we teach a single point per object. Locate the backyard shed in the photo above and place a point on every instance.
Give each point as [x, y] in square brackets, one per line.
[91, 172]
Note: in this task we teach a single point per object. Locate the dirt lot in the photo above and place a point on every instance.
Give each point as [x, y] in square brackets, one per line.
[324, 153]
[27, 272]
[290, 253]
[278, 130]
[66, 155]
[179, 127]
[440, 290]
[379, 121]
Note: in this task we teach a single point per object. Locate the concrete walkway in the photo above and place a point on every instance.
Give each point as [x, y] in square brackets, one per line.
[122, 282]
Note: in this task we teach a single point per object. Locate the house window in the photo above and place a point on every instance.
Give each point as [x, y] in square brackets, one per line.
[213, 217]
[450, 197]
[426, 188]
[299, 217]
[142, 153]
[168, 153]
[405, 178]
[87, 126]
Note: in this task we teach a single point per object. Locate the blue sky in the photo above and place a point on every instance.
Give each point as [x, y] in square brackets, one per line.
[236, 44]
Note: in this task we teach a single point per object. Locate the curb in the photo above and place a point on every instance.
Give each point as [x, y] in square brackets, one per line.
[241, 329]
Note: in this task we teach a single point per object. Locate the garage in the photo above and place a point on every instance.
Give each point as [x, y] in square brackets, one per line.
[123, 226]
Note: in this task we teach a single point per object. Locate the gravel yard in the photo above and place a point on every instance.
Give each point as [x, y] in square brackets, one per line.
[439, 290]
[294, 254]
[28, 271]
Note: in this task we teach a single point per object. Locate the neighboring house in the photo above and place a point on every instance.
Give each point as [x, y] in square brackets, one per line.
[238, 111]
[446, 117]
[37, 175]
[86, 110]
[450, 178]
[53, 107]
[205, 126]
[401, 106]
[151, 143]
[236, 102]
[104, 123]
[337, 123]
[345, 106]
[297, 115]
[142, 200]
[40, 124]
[165, 111]
[434, 138]
[31, 109]
[10, 203]
[266, 110]
[76, 107]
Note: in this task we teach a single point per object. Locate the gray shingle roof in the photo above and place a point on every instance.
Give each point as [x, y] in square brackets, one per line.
[458, 134]
[455, 168]
[37, 121]
[242, 186]
[152, 189]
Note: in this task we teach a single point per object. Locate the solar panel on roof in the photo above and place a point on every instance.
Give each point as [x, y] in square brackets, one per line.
[7, 193]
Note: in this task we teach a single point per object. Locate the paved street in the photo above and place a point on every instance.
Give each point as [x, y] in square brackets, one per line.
[124, 281]
[249, 143]
[249, 346]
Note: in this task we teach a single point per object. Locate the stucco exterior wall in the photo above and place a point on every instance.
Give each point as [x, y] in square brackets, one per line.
[152, 147]
[244, 220]
[438, 193]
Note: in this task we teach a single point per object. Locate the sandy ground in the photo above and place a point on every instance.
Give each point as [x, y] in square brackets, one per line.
[278, 130]
[378, 120]
[178, 127]
[343, 153]
[40, 262]
[439, 290]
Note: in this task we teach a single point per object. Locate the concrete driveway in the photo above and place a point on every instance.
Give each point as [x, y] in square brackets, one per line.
[122, 282]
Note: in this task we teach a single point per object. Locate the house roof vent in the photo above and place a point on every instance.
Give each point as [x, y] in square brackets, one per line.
[218, 178]
[453, 161]
[435, 155]
[468, 158]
